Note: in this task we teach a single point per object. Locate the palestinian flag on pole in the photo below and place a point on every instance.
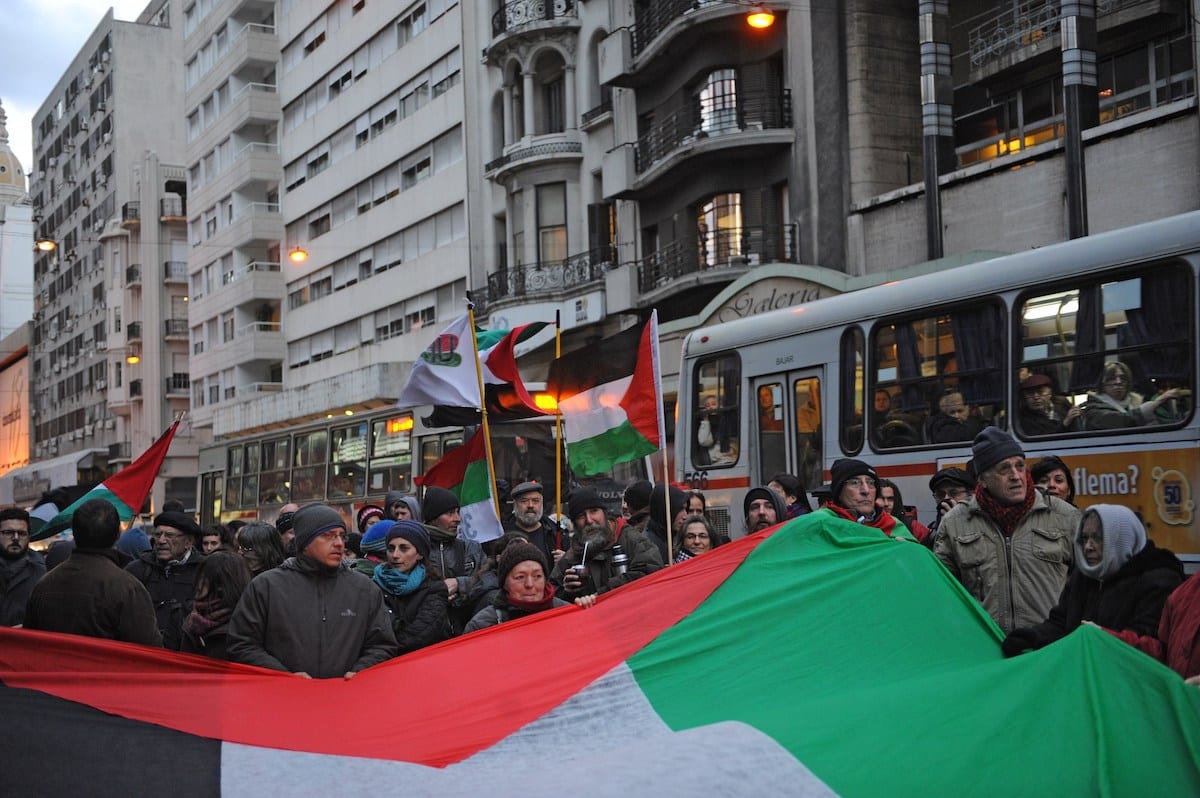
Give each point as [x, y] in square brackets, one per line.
[445, 375]
[464, 471]
[610, 400]
[769, 666]
[126, 490]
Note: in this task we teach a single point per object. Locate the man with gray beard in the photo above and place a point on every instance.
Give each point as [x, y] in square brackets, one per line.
[528, 519]
[597, 547]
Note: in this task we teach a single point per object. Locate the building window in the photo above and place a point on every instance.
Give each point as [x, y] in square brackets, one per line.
[552, 222]
[716, 100]
[719, 230]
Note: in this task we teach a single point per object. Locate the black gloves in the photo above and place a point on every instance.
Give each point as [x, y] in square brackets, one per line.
[1019, 641]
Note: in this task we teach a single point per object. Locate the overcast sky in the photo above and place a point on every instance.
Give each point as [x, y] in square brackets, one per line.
[41, 37]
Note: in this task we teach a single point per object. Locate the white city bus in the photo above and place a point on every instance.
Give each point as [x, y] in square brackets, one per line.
[863, 375]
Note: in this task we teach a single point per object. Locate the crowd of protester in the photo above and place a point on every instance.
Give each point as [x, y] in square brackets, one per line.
[311, 596]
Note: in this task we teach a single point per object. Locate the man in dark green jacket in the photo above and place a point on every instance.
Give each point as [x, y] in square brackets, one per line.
[595, 545]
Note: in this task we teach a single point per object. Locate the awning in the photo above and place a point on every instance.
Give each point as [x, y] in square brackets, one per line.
[24, 485]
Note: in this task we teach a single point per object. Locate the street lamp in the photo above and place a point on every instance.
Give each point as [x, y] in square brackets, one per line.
[298, 255]
[44, 245]
[760, 17]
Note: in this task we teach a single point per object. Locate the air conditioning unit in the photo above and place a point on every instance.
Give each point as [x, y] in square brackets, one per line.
[83, 126]
[52, 448]
[106, 138]
[110, 423]
[89, 430]
[99, 227]
[73, 435]
[52, 161]
[101, 107]
[101, 385]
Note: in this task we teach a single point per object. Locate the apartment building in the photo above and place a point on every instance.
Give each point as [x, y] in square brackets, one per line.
[108, 354]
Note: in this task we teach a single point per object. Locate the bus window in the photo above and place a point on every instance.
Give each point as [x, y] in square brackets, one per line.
[308, 483]
[853, 391]
[1108, 355]
[717, 424]
[772, 446]
[274, 483]
[807, 396]
[938, 379]
[276, 454]
[348, 472]
[391, 454]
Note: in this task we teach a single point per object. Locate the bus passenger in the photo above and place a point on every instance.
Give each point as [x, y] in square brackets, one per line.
[1052, 475]
[1038, 414]
[1010, 545]
[1115, 404]
[954, 421]
[854, 486]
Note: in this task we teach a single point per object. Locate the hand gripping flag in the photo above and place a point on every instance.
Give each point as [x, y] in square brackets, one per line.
[610, 400]
[464, 472]
[444, 375]
[768, 666]
[126, 490]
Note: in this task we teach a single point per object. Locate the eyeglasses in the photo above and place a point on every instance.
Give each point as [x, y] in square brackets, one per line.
[696, 536]
[245, 549]
[1097, 538]
[1116, 379]
[162, 533]
[16, 533]
[859, 482]
[941, 494]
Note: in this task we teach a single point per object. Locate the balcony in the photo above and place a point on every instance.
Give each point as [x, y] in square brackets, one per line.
[172, 209]
[119, 452]
[133, 331]
[133, 274]
[131, 215]
[178, 385]
[753, 110]
[720, 255]
[521, 13]
[535, 154]
[518, 283]
[253, 222]
[176, 328]
[175, 271]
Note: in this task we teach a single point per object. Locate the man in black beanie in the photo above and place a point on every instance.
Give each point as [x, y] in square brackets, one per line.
[310, 616]
[169, 571]
[635, 503]
[456, 558]
[1010, 545]
[90, 594]
[763, 509]
[854, 487]
[656, 527]
[595, 546]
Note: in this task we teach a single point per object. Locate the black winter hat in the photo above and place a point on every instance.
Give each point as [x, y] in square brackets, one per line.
[993, 445]
[584, 499]
[764, 493]
[953, 475]
[177, 520]
[657, 507]
[437, 501]
[516, 553]
[414, 533]
[637, 495]
[312, 520]
[845, 469]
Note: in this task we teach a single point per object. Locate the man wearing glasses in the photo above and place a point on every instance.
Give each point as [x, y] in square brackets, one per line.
[20, 567]
[853, 488]
[310, 616]
[168, 571]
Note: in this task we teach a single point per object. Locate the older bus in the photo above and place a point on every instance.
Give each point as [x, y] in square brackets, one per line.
[877, 373]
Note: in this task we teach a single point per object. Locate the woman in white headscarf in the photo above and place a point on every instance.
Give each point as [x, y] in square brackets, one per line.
[1121, 581]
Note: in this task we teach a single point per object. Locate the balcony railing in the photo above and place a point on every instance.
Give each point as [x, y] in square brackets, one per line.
[172, 207]
[1021, 24]
[749, 110]
[654, 17]
[176, 327]
[592, 114]
[133, 274]
[133, 331]
[259, 327]
[720, 249]
[519, 13]
[179, 383]
[131, 213]
[175, 271]
[577, 270]
[549, 148]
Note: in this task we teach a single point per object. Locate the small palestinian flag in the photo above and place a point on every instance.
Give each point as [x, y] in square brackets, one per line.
[464, 471]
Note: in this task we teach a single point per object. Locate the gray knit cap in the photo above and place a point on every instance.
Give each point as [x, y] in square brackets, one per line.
[312, 520]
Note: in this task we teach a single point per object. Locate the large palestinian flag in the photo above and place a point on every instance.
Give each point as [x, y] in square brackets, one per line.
[823, 659]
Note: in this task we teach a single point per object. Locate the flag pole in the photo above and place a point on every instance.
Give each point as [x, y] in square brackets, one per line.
[558, 449]
[487, 436]
[662, 431]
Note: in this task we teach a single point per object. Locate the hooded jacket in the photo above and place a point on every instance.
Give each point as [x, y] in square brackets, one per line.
[1132, 599]
[303, 617]
[656, 527]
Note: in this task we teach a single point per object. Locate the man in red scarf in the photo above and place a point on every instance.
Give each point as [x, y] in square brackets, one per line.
[1010, 545]
[853, 488]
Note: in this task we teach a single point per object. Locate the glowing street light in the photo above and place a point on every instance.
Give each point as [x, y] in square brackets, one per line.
[298, 255]
[760, 17]
[45, 245]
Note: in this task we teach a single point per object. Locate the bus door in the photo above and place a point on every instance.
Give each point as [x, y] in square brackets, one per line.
[787, 427]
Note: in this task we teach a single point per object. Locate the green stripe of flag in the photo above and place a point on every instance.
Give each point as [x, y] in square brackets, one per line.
[475, 485]
[599, 453]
